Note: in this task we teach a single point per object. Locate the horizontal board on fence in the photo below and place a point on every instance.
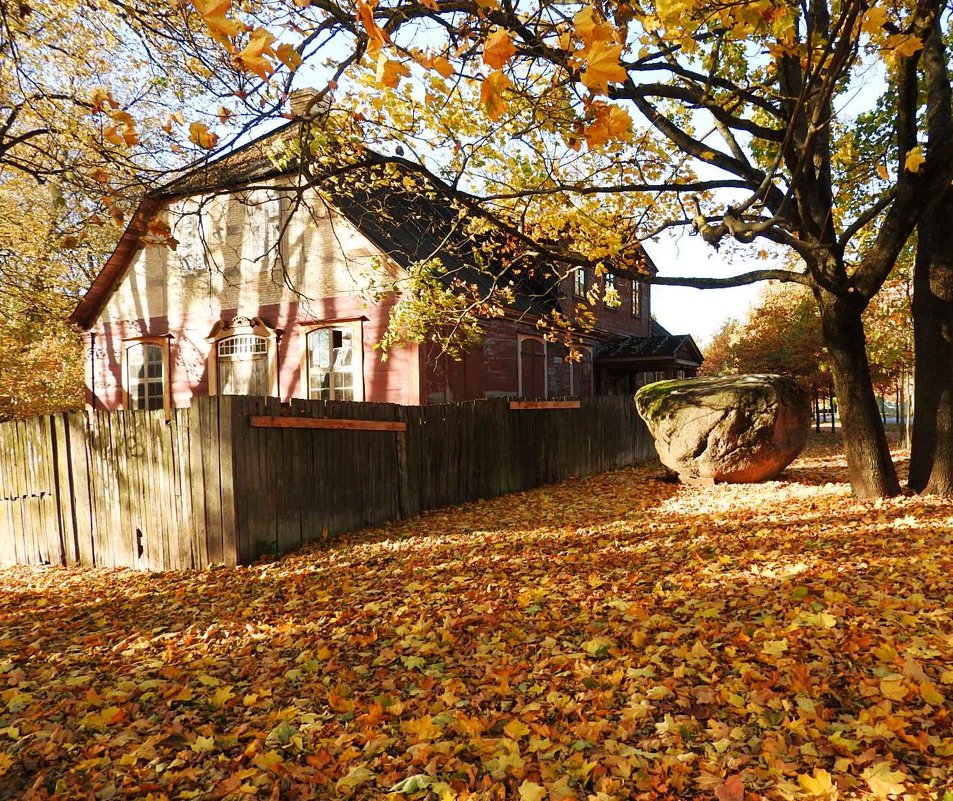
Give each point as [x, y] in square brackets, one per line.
[340, 425]
[234, 478]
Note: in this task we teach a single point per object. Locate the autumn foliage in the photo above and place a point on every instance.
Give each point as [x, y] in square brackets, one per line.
[614, 637]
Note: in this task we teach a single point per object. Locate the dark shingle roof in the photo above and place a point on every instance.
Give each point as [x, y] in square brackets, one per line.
[654, 347]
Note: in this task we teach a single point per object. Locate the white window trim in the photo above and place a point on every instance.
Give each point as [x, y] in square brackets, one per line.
[520, 338]
[356, 327]
[579, 271]
[161, 342]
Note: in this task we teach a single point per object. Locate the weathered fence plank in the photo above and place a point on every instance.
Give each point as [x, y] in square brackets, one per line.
[233, 478]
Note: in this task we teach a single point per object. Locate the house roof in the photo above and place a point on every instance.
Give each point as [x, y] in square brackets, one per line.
[397, 209]
[657, 346]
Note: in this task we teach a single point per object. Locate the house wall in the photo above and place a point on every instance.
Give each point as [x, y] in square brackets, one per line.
[493, 370]
[614, 321]
[320, 273]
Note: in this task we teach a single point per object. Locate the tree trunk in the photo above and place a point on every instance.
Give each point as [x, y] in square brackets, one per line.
[869, 467]
[931, 453]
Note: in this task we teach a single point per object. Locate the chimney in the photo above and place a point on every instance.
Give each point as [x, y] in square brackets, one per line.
[305, 104]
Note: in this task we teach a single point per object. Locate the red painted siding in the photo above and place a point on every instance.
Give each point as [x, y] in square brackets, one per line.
[393, 381]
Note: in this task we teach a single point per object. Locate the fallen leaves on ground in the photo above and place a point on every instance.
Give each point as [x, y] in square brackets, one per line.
[612, 637]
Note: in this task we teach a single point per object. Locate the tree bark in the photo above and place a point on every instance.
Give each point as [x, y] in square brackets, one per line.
[869, 467]
[931, 453]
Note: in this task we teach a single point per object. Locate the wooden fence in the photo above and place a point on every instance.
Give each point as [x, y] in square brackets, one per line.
[233, 478]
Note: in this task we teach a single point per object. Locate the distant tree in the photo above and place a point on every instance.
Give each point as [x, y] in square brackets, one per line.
[780, 334]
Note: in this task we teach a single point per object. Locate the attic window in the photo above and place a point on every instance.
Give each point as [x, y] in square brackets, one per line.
[264, 212]
[636, 299]
[190, 248]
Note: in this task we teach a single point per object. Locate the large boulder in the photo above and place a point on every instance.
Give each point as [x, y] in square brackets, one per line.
[735, 429]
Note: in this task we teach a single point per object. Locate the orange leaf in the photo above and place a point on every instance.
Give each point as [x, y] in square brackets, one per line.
[498, 49]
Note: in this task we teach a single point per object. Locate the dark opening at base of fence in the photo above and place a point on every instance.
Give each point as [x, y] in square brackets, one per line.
[232, 479]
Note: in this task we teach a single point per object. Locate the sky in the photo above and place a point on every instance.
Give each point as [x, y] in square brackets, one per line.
[699, 312]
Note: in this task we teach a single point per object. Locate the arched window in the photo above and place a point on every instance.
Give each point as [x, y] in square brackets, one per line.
[245, 357]
[333, 363]
[145, 376]
[532, 368]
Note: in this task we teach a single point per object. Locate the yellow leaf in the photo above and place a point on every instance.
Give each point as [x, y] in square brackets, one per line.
[530, 791]
[221, 696]
[516, 729]
[288, 56]
[491, 94]
[905, 45]
[355, 777]
[882, 172]
[214, 15]
[589, 28]
[914, 159]
[874, 20]
[498, 49]
[893, 689]
[882, 781]
[255, 55]
[442, 66]
[203, 745]
[6, 762]
[200, 135]
[930, 693]
[603, 67]
[389, 72]
[267, 761]
[775, 647]
[819, 785]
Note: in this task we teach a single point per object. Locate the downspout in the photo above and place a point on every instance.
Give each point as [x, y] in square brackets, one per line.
[92, 371]
[278, 333]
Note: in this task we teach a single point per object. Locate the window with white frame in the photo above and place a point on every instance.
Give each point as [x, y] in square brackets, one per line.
[145, 376]
[636, 299]
[333, 363]
[579, 282]
[187, 231]
[263, 209]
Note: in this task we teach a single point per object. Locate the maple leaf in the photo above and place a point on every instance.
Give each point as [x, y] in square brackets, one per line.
[589, 28]
[883, 781]
[378, 37]
[355, 777]
[255, 55]
[498, 49]
[612, 123]
[819, 785]
[412, 784]
[289, 56]
[200, 135]
[214, 14]
[603, 66]
[914, 160]
[530, 791]
[732, 789]
[389, 72]
[491, 94]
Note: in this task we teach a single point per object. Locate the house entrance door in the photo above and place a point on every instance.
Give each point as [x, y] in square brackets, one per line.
[243, 365]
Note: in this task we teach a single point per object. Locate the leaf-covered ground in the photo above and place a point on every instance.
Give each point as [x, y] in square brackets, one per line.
[608, 638]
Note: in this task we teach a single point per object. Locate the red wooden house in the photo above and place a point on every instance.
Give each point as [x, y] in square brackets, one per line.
[286, 291]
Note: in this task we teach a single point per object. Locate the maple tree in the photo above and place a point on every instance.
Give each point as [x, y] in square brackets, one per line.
[605, 125]
[608, 638]
[781, 333]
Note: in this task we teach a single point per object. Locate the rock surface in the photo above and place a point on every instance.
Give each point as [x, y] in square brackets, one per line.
[735, 429]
